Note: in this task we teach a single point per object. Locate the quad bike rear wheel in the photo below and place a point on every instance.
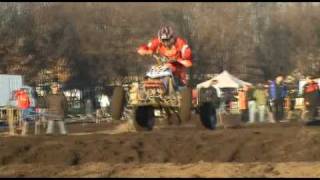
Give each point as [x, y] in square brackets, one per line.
[208, 115]
[117, 103]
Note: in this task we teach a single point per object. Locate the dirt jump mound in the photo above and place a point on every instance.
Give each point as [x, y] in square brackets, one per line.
[260, 143]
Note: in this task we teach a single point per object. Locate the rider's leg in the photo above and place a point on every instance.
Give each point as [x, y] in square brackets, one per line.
[181, 77]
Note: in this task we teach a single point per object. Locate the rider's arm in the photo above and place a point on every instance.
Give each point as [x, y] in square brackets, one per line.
[150, 48]
[186, 54]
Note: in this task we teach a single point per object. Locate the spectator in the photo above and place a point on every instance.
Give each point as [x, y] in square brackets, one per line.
[251, 104]
[291, 97]
[218, 90]
[41, 110]
[292, 94]
[57, 106]
[98, 115]
[209, 98]
[261, 100]
[218, 101]
[89, 108]
[311, 94]
[243, 104]
[23, 103]
[269, 102]
[222, 108]
[104, 104]
[277, 94]
[228, 97]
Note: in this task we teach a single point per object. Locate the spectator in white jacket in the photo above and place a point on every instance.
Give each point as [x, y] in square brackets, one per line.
[104, 104]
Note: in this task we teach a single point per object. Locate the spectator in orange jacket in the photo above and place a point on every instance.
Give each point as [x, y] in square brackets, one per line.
[175, 49]
[23, 100]
[243, 103]
[23, 103]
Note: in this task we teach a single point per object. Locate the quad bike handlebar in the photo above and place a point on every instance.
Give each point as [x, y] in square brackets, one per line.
[162, 60]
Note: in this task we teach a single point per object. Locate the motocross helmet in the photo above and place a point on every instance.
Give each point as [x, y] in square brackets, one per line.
[166, 35]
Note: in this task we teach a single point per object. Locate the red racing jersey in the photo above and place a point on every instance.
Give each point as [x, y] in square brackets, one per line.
[180, 51]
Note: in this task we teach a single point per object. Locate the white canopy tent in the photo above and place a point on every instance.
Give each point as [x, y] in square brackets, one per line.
[225, 80]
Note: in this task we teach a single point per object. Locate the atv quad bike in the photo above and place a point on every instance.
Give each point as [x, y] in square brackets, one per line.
[160, 96]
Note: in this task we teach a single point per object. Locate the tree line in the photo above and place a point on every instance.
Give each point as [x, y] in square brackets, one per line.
[85, 44]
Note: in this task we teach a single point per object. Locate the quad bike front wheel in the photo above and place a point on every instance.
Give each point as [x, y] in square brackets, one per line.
[143, 118]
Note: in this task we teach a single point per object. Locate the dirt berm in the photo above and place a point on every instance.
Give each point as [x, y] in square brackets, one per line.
[171, 150]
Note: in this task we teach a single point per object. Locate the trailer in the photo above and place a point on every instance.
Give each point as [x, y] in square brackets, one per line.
[8, 84]
[9, 113]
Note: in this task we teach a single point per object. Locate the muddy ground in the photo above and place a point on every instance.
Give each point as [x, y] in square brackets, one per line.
[109, 150]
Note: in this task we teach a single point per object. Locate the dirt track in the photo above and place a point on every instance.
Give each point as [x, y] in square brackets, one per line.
[262, 150]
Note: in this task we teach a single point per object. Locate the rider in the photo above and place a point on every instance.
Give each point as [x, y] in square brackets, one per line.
[173, 48]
